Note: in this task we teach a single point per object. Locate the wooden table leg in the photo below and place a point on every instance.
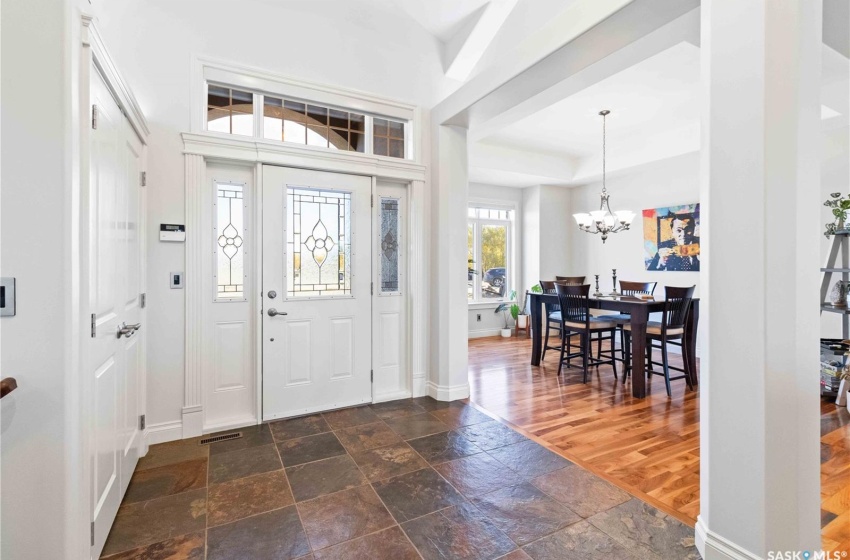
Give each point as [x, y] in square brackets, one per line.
[536, 325]
[639, 318]
[691, 324]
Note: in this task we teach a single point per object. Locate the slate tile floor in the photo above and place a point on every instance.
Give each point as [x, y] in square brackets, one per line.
[412, 479]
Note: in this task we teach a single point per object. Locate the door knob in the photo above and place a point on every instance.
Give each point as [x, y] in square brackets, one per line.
[128, 330]
[274, 312]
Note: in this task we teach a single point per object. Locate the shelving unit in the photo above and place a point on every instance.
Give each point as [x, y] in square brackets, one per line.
[840, 247]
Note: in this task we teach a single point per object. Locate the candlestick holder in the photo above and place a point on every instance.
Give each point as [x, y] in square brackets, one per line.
[598, 292]
[615, 292]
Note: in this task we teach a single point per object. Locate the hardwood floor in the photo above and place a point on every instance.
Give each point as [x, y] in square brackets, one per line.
[648, 447]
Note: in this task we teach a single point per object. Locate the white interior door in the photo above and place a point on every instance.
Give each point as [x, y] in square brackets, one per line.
[114, 361]
[317, 277]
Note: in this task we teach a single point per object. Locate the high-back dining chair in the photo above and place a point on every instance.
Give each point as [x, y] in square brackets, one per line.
[553, 317]
[628, 288]
[570, 279]
[576, 318]
[670, 330]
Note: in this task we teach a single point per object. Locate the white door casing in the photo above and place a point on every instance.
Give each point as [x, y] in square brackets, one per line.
[317, 351]
[114, 363]
[389, 304]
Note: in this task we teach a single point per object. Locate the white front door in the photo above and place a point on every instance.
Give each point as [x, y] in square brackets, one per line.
[317, 269]
[114, 362]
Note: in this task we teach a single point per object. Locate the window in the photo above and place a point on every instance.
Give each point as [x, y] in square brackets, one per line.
[390, 235]
[230, 111]
[229, 215]
[388, 138]
[300, 121]
[313, 125]
[489, 273]
[318, 242]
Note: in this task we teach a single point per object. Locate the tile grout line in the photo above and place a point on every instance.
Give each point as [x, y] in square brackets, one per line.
[292, 493]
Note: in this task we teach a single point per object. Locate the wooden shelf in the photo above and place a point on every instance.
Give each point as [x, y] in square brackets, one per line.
[831, 309]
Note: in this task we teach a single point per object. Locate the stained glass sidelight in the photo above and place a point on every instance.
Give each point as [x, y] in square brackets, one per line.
[230, 232]
[318, 242]
[389, 245]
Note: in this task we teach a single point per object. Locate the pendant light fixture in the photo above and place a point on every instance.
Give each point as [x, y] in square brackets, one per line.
[603, 221]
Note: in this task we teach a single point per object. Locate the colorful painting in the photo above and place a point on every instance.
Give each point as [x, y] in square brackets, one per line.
[671, 238]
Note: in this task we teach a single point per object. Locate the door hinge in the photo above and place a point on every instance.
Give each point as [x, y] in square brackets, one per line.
[372, 198]
[94, 325]
[372, 375]
[144, 300]
[144, 179]
[94, 117]
[92, 533]
[372, 289]
[142, 422]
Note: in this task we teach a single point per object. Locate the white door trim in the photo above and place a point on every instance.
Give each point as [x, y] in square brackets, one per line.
[202, 147]
[94, 54]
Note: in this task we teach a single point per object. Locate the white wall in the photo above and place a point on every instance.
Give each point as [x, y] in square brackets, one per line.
[331, 42]
[491, 322]
[548, 234]
[40, 430]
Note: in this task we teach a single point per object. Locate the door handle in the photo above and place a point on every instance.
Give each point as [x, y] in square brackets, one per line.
[128, 330]
[274, 312]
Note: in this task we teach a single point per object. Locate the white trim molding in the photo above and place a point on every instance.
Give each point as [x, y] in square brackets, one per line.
[712, 546]
[163, 432]
[193, 414]
[446, 393]
[123, 95]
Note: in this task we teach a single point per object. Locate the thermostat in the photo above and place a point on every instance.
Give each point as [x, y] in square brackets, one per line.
[172, 232]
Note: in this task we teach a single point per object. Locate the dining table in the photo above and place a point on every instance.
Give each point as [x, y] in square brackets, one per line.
[639, 311]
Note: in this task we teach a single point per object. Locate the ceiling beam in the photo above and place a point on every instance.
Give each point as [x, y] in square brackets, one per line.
[463, 51]
[685, 28]
[504, 165]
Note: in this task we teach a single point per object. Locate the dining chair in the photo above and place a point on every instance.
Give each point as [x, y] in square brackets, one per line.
[553, 318]
[570, 279]
[670, 330]
[576, 318]
[634, 289]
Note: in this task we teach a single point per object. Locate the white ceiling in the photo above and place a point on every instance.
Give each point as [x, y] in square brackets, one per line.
[441, 18]
[655, 114]
[658, 95]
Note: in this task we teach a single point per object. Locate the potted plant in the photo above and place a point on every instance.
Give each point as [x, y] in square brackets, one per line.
[504, 308]
[522, 316]
[840, 206]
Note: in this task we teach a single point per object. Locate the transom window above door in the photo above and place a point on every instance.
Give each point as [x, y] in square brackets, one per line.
[299, 121]
[489, 254]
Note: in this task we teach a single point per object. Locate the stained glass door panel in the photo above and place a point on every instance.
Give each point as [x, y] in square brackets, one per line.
[318, 242]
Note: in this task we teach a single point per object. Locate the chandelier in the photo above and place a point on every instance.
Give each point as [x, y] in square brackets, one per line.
[603, 221]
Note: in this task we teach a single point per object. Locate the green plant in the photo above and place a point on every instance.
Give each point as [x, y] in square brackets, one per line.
[840, 206]
[506, 307]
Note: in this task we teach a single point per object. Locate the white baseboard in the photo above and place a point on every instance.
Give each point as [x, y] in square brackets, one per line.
[481, 333]
[164, 432]
[420, 388]
[392, 396]
[712, 546]
[448, 393]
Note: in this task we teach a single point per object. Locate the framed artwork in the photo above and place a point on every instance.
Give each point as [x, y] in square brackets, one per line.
[671, 238]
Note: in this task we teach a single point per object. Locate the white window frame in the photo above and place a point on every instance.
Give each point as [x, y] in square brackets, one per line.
[260, 82]
[510, 273]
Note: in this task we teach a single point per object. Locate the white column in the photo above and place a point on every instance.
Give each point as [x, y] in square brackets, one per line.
[448, 379]
[419, 288]
[759, 409]
[193, 413]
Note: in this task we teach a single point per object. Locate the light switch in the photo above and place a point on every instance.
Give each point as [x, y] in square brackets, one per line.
[7, 297]
[176, 280]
